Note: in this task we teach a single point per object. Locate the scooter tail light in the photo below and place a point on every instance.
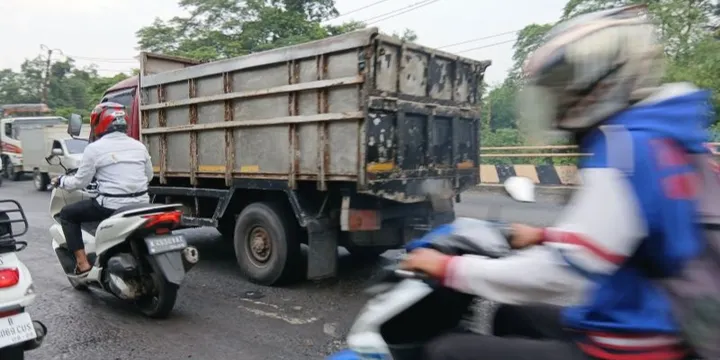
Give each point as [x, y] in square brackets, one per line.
[9, 277]
[168, 219]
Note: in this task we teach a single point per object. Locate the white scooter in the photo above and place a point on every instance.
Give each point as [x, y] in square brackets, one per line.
[133, 252]
[18, 332]
[407, 309]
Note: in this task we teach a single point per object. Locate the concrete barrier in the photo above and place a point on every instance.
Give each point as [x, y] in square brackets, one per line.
[546, 175]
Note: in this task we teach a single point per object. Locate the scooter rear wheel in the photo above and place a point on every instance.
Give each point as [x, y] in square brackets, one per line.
[160, 303]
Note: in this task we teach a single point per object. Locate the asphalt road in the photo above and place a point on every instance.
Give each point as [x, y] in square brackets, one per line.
[218, 315]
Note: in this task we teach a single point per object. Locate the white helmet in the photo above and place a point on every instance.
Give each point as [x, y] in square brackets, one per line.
[589, 68]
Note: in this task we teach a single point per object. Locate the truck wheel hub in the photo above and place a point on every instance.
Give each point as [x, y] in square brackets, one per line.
[260, 245]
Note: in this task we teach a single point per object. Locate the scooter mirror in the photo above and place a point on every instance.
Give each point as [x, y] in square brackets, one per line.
[74, 125]
[520, 189]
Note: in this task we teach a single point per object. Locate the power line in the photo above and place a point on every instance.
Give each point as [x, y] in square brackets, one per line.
[479, 39]
[109, 60]
[359, 9]
[397, 12]
[486, 46]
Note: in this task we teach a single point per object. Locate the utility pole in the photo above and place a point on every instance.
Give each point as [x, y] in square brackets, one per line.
[48, 63]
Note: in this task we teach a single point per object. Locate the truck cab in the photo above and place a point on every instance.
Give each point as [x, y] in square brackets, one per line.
[13, 119]
[124, 93]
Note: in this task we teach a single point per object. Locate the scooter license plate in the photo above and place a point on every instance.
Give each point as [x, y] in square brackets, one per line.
[165, 243]
[16, 329]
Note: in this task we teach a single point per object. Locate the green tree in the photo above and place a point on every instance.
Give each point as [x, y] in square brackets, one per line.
[216, 29]
[528, 40]
[407, 35]
[71, 89]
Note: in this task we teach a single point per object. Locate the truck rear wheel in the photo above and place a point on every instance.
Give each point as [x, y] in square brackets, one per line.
[41, 181]
[266, 244]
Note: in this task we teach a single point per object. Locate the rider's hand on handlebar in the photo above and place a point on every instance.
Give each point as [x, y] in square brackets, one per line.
[525, 236]
[55, 182]
[431, 262]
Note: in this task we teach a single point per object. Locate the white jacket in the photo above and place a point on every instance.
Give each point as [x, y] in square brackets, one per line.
[120, 164]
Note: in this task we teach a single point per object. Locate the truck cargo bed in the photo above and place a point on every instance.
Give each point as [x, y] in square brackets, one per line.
[398, 119]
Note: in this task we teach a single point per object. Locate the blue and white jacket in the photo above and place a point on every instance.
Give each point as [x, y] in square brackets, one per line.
[636, 206]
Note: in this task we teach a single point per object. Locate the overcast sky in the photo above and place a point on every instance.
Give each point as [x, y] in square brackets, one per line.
[103, 32]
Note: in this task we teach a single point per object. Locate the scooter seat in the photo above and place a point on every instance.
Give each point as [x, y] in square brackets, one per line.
[90, 227]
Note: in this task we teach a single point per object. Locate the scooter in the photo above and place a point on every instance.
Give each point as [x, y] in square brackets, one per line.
[18, 332]
[407, 308]
[134, 254]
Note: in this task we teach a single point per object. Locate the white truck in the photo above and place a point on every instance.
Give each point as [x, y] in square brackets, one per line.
[11, 147]
[42, 141]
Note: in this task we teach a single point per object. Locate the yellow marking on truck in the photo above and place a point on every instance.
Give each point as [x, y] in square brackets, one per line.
[468, 164]
[211, 168]
[379, 167]
[156, 169]
[250, 169]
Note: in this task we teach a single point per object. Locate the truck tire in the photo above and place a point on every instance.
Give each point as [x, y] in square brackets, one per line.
[41, 180]
[9, 171]
[266, 244]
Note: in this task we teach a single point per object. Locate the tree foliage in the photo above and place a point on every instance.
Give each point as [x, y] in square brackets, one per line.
[216, 29]
[71, 89]
[213, 29]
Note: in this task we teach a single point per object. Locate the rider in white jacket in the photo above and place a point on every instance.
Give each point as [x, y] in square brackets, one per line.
[122, 169]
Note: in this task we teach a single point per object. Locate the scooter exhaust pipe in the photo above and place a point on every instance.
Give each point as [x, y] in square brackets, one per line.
[190, 257]
[35, 343]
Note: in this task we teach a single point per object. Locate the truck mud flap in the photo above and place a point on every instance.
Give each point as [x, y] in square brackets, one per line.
[171, 266]
[322, 250]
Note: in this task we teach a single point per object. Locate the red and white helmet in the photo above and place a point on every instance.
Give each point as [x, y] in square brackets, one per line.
[106, 118]
[590, 68]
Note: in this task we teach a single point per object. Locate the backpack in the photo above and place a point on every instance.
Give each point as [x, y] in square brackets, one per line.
[694, 292]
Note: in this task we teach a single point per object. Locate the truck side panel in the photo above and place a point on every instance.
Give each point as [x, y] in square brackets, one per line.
[289, 115]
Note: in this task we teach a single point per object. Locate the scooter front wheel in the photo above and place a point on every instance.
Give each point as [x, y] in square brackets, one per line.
[160, 302]
[12, 353]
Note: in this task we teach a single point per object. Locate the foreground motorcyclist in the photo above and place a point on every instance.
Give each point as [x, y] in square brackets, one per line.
[597, 76]
[122, 169]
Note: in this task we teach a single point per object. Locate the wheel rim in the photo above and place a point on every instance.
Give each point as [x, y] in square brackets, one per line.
[259, 246]
[38, 182]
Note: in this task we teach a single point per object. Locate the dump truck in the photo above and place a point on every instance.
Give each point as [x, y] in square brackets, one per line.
[359, 140]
